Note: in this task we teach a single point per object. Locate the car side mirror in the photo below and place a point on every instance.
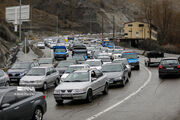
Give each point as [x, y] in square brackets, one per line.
[48, 73]
[5, 105]
[93, 79]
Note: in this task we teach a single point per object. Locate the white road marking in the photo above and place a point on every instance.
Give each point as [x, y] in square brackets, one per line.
[125, 99]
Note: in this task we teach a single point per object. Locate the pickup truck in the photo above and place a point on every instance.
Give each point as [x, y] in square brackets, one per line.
[60, 52]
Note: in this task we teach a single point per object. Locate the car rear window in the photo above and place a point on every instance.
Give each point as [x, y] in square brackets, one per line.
[169, 62]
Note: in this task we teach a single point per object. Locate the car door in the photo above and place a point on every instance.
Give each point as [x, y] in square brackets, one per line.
[54, 75]
[12, 112]
[95, 82]
[49, 76]
[100, 79]
[125, 69]
[2, 79]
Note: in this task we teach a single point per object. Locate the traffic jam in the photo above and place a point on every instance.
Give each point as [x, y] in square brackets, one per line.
[77, 70]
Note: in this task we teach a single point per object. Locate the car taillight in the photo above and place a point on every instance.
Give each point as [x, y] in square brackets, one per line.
[160, 66]
[44, 97]
[178, 66]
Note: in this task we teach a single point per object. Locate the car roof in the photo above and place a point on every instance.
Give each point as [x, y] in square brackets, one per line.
[112, 64]
[120, 59]
[78, 65]
[42, 67]
[93, 60]
[170, 58]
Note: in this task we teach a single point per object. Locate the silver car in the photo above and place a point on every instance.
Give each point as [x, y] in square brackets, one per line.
[41, 77]
[125, 61]
[94, 63]
[4, 79]
[82, 85]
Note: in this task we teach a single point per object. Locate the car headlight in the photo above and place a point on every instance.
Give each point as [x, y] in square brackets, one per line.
[39, 81]
[118, 78]
[78, 91]
[57, 91]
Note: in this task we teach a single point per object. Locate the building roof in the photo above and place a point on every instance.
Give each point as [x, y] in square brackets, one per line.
[153, 26]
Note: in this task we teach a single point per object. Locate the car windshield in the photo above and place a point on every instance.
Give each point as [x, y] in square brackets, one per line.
[80, 54]
[79, 58]
[21, 66]
[64, 64]
[74, 68]
[130, 56]
[36, 72]
[45, 61]
[169, 62]
[1, 73]
[78, 77]
[112, 68]
[60, 50]
[105, 59]
[90, 48]
[121, 61]
[93, 63]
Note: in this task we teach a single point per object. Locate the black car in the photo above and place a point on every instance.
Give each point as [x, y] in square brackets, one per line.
[169, 66]
[18, 70]
[20, 103]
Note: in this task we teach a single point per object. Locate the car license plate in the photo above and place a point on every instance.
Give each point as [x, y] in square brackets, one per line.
[67, 95]
[13, 79]
[169, 68]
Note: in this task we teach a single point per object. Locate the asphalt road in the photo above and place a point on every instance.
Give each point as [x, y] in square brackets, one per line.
[145, 97]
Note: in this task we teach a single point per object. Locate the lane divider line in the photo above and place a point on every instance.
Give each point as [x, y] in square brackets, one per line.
[125, 99]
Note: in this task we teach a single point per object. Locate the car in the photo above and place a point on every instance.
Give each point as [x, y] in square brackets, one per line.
[124, 61]
[153, 58]
[79, 58]
[105, 59]
[133, 59]
[19, 69]
[52, 44]
[94, 63]
[60, 52]
[117, 53]
[40, 78]
[63, 65]
[117, 73]
[73, 68]
[169, 66]
[41, 45]
[4, 79]
[47, 62]
[81, 85]
[21, 103]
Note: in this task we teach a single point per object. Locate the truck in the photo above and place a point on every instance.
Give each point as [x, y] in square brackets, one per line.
[60, 52]
[79, 50]
[133, 59]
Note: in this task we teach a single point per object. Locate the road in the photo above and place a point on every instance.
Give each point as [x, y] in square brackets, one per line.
[146, 97]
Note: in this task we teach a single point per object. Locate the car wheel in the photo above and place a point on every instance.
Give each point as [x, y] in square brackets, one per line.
[56, 82]
[38, 114]
[105, 92]
[89, 96]
[7, 84]
[45, 86]
[59, 102]
[129, 74]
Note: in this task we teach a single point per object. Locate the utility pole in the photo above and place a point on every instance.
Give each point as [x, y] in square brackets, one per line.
[113, 29]
[57, 26]
[20, 21]
[102, 28]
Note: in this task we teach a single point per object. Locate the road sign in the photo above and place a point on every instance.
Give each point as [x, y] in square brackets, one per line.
[13, 14]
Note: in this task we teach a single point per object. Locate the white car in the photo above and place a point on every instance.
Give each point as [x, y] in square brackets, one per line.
[41, 45]
[73, 68]
[81, 85]
[94, 63]
[105, 59]
[40, 77]
[46, 62]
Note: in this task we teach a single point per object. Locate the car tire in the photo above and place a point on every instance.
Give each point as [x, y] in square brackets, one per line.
[44, 86]
[105, 92]
[7, 83]
[129, 74]
[59, 102]
[137, 68]
[38, 114]
[56, 83]
[89, 96]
